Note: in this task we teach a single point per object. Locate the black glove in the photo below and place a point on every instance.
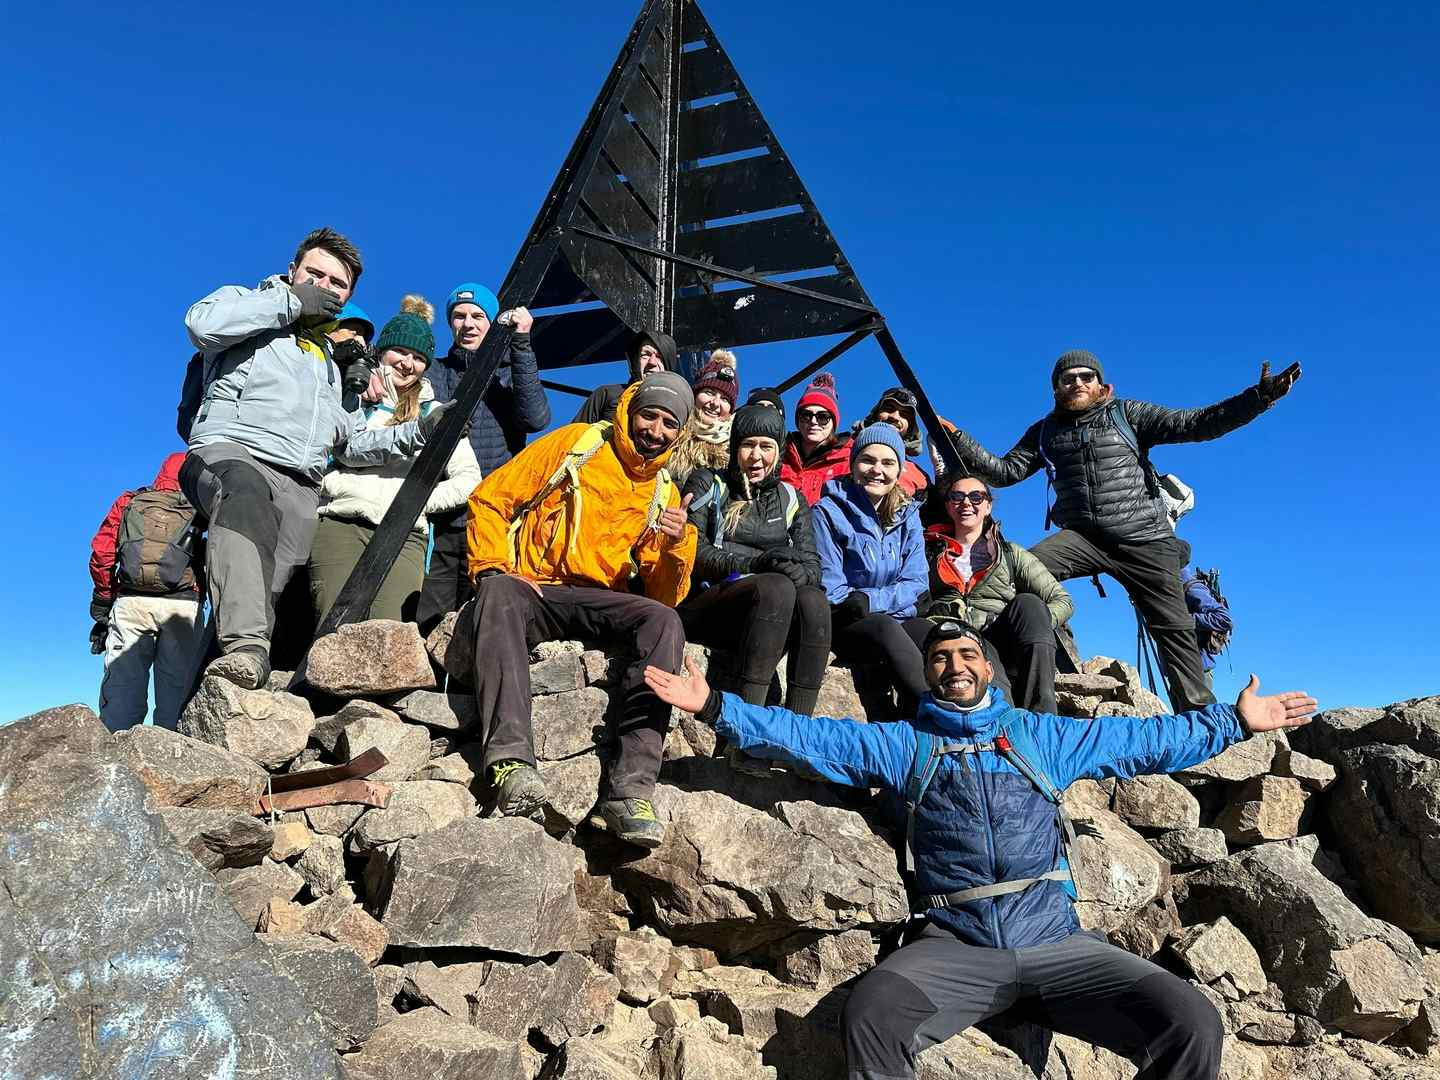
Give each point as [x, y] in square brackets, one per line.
[431, 420]
[1273, 387]
[317, 304]
[98, 633]
[785, 561]
[850, 610]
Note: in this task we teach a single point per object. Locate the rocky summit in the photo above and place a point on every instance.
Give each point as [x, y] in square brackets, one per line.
[182, 904]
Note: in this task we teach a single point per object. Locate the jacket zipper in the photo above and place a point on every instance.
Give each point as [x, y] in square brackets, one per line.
[990, 917]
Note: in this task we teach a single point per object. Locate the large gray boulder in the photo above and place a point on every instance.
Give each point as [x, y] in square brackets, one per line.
[1116, 872]
[1330, 959]
[406, 746]
[267, 727]
[1384, 816]
[180, 771]
[118, 955]
[734, 877]
[499, 884]
[429, 1044]
[335, 980]
[416, 807]
[219, 838]
[1414, 723]
[1155, 802]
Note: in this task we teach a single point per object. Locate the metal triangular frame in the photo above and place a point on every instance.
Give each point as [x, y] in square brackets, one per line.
[676, 209]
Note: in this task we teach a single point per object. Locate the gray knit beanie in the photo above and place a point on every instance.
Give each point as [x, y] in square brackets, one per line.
[665, 390]
[1081, 358]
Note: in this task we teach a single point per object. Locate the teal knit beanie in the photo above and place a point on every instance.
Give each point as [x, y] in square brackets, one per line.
[410, 329]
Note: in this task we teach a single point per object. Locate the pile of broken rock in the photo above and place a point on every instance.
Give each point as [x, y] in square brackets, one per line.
[153, 924]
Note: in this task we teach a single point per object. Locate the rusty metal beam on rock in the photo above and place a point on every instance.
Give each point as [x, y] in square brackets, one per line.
[371, 761]
[363, 792]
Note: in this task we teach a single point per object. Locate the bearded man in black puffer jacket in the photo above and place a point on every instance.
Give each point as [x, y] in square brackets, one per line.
[1112, 518]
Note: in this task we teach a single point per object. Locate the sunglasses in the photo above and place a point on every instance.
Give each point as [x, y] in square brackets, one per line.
[814, 416]
[1077, 378]
[974, 498]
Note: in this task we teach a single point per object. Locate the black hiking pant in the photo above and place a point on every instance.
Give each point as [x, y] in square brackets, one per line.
[1019, 640]
[1150, 573]
[510, 620]
[881, 652]
[937, 986]
[447, 579]
[759, 618]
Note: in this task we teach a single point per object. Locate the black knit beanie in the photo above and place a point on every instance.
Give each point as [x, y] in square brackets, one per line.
[1081, 358]
[756, 421]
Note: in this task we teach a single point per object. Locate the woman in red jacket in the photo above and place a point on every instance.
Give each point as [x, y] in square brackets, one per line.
[816, 451]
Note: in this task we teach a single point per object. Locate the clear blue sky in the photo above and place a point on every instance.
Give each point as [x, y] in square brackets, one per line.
[1186, 194]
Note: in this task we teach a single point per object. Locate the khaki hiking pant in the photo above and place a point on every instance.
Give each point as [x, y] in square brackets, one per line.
[145, 632]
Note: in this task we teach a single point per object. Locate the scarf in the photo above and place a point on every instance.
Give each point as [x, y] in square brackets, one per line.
[710, 431]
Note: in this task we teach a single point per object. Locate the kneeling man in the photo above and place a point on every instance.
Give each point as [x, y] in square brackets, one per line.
[982, 781]
[582, 535]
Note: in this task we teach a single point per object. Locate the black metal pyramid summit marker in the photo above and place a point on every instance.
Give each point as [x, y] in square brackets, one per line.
[677, 210]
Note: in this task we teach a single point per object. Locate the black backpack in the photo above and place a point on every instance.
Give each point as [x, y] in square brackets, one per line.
[192, 395]
[1213, 643]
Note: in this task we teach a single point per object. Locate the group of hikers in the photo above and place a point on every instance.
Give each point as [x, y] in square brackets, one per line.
[669, 511]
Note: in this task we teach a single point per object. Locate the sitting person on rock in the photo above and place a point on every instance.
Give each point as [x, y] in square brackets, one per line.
[816, 451]
[705, 441]
[999, 588]
[995, 924]
[756, 590]
[583, 535]
[873, 570]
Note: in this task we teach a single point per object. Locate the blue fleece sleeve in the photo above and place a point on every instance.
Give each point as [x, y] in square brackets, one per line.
[1124, 746]
[844, 751]
[899, 597]
[832, 562]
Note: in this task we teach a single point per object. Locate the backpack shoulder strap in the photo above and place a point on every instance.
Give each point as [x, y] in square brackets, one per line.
[1123, 427]
[792, 503]
[567, 474]
[922, 770]
[1005, 743]
[1040, 441]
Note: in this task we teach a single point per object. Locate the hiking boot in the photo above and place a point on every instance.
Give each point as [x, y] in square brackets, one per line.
[632, 820]
[248, 667]
[519, 789]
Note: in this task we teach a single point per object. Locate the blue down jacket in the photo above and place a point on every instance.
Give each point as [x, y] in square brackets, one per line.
[857, 553]
[980, 821]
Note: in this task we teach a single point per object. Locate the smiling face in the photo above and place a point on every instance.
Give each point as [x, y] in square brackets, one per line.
[890, 413]
[469, 324]
[815, 426]
[876, 468]
[318, 267]
[716, 406]
[756, 457]
[960, 503]
[406, 366]
[653, 431]
[649, 360]
[957, 671]
[1077, 389]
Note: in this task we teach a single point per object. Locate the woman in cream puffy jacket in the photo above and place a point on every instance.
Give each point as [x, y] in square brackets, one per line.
[354, 500]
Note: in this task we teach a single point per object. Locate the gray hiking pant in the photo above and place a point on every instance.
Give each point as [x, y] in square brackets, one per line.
[510, 620]
[937, 986]
[262, 521]
[1150, 573]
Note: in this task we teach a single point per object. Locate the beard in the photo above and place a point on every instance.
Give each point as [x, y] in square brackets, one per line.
[964, 697]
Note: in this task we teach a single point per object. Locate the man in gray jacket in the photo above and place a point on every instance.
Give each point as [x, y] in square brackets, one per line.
[1095, 449]
[269, 423]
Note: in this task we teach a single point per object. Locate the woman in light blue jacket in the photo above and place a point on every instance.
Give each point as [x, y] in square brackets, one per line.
[873, 571]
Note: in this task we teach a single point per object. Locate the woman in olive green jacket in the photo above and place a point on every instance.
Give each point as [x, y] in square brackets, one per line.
[978, 576]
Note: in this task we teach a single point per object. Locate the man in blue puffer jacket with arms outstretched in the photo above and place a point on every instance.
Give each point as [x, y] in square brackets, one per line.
[982, 781]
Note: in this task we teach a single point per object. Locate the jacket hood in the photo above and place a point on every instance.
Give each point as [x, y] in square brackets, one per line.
[945, 533]
[168, 478]
[981, 724]
[669, 352]
[636, 465]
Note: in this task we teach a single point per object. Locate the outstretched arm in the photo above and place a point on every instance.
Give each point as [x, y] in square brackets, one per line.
[1156, 424]
[1125, 747]
[844, 751]
[1022, 459]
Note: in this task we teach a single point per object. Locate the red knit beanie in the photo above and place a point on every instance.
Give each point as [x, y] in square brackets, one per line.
[720, 375]
[821, 392]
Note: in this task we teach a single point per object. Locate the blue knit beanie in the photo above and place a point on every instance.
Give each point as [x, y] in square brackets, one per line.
[877, 433]
[472, 292]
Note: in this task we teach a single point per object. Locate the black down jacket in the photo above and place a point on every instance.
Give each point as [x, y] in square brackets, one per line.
[761, 527]
[1100, 484]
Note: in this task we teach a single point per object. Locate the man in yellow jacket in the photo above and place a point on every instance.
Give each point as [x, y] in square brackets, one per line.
[596, 547]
